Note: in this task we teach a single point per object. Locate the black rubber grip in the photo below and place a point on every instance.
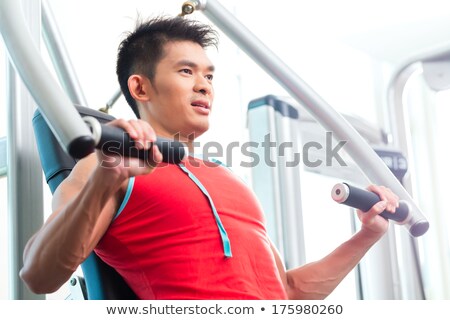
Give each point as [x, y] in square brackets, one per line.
[365, 200]
[116, 140]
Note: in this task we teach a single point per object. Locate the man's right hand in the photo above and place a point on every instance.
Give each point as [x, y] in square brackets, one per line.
[143, 135]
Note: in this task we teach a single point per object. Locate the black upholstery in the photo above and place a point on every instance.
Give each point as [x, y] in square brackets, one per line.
[102, 281]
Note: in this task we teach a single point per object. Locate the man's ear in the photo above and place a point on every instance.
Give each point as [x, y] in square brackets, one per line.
[140, 87]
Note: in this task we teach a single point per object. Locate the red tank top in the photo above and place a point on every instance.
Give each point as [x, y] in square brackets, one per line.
[166, 243]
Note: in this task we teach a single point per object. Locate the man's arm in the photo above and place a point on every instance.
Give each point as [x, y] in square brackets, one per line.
[83, 207]
[318, 279]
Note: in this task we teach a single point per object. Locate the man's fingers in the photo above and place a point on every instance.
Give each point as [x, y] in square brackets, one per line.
[157, 155]
[377, 208]
[139, 131]
[387, 195]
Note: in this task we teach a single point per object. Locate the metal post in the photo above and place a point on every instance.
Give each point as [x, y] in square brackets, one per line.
[2, 156]
[25, 196]
[111, 101]
[399, 125]
[277, 177]
[396, 113]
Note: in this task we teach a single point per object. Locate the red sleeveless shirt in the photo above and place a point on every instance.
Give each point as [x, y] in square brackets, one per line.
[166, 243]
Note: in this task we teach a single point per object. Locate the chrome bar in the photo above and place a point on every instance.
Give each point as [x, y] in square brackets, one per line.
[111, 101]
[114, 98]
[3, 165]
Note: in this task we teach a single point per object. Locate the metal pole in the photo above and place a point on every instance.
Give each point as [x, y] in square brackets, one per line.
[25, 196]
[111, 101]
[399, 125]
[60, 57]
[365, 157]
[3, 165]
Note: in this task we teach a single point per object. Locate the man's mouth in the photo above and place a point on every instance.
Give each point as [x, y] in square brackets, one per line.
[202, 107]
[201, 104]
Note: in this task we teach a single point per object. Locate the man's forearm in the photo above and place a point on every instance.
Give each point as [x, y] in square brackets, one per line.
[64, 243]
[318, 279]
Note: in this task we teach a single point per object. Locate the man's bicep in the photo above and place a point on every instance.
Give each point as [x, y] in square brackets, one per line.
[76, 186]
[280, 265]
[65, 193]
[73, 184]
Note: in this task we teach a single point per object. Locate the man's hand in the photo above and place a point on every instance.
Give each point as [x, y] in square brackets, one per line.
[143, 135]
[371, 221]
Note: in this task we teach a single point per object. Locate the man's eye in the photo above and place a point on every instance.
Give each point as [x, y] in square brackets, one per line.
[210, 77]
[188, 71]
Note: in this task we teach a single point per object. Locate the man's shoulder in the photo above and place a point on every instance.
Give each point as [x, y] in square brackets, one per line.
[83, 169]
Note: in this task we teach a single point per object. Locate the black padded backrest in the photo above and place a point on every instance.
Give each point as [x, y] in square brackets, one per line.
[56, 163]
[102, 281]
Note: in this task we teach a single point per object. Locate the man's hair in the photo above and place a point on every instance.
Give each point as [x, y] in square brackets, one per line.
[143, 48]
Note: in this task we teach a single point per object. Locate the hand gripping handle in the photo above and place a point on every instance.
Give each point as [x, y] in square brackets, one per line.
[112, 139]
[364, 200]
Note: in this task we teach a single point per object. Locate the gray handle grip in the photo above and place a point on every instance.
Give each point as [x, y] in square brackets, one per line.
[115, 140]
[364, 200]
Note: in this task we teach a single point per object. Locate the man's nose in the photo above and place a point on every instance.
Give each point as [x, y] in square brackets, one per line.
[203, 86]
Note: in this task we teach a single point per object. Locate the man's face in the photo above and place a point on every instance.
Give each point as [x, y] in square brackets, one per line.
[182, 92]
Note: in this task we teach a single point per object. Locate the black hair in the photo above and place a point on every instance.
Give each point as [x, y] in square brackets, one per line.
[142, 49]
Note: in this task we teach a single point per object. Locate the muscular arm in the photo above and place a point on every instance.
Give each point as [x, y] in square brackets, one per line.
[318, 279]
[83, 207]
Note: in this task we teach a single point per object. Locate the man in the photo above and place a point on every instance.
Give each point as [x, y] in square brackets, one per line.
[176, 231]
